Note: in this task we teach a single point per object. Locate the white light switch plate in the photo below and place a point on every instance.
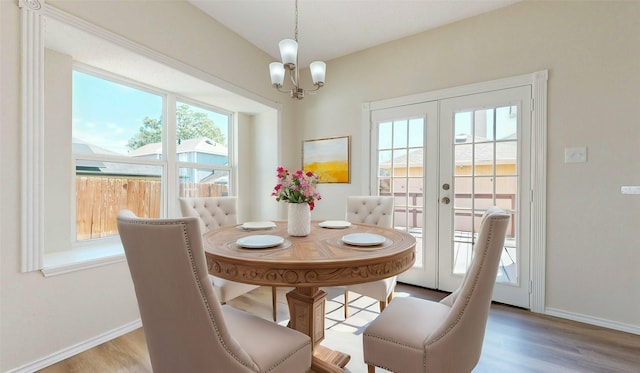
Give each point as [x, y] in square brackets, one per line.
[575, 155]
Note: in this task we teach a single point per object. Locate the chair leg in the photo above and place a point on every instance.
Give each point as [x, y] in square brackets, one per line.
[273, 302]
[346, 304]
[371, 368]
[384, 304]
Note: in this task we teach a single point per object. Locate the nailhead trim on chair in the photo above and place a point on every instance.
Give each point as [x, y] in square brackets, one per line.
[459, 316]
[467, 298]
[202, 294]
[206, 302]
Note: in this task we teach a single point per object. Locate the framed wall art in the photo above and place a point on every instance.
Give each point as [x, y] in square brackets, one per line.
[328, 158]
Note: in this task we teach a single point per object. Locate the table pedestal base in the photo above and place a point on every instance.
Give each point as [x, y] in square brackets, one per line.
[306, 310]
[328, 360]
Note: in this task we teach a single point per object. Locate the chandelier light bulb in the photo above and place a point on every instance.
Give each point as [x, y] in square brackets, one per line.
[318, 71]
[289, 53]
[276, 69]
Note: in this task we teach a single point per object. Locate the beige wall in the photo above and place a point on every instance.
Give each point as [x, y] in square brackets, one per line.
[591, 50]
[40, 316]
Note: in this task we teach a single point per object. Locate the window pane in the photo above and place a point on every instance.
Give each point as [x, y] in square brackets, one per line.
[198, 182]
[110, 118]
[104, 188]
[202, 135]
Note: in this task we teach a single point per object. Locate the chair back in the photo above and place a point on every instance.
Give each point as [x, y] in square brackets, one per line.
[462, 333]
[375, 210]
[213, 212]
[182, 318]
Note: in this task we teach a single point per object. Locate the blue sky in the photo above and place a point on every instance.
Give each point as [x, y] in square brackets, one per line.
[108, 114]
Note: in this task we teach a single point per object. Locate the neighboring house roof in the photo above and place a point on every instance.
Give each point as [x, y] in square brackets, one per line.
[200, 145]
[87, 167]
[506, 152]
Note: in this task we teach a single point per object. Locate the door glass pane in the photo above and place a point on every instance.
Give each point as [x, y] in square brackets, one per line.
[416, 133]
[506, 122]
[483, 125]
[384, 162]
[483, 159]
[462, 240]
[462, 126]
[385, 135]
[485, 175]
[400, 134]
[400, 171]
[400, 162]
[463, 155]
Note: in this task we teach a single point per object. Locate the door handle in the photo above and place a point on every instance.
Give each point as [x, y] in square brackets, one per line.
[446, 200]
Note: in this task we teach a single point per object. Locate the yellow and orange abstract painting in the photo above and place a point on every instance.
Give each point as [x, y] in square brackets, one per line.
[328, 158]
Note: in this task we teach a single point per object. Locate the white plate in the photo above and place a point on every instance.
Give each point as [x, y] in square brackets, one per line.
[260, 241]
[337, 224]
[363, 239]
[254, 225]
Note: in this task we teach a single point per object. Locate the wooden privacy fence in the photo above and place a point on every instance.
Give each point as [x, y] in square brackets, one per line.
[100, 197]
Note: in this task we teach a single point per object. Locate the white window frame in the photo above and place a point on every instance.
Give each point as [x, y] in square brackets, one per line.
[33, 254]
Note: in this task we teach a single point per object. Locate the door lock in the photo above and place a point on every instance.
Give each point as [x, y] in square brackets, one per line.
[445, 186]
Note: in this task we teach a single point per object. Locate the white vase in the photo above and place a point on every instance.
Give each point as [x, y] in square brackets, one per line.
[299, 219]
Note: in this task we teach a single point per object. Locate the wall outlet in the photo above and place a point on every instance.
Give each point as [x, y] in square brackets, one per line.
[575, 155]
[631, 189]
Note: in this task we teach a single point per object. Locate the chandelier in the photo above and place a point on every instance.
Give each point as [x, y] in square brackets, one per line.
[289, 55]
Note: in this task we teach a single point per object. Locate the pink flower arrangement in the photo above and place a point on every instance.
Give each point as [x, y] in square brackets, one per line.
[299, 187]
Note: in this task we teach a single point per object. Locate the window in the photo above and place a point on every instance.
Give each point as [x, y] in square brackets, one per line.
[48, 237]
[202, 151]
[115, 127]
[122, 156]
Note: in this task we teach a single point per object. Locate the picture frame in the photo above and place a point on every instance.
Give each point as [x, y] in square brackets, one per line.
[329, 158]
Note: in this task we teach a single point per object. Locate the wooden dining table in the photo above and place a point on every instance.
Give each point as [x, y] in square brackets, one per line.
[308, 263]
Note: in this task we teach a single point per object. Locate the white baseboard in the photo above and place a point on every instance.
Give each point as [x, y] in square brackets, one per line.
[78, 348]
[634, 329]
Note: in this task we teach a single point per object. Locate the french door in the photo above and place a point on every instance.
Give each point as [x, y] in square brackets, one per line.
[404, 164]
[445, 162]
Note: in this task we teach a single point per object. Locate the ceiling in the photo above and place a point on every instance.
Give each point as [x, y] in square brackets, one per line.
[328, 29]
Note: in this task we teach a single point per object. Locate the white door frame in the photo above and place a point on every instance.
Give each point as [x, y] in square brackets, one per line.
[538, 83]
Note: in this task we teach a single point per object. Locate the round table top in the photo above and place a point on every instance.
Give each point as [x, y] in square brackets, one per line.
[319, 259]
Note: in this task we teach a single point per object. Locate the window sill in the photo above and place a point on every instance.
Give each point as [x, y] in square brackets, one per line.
[82, 258]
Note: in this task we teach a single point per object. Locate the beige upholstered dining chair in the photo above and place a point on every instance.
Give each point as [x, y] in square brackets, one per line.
[185, 326]
[375, 210]
[416, 335]
[212, 213]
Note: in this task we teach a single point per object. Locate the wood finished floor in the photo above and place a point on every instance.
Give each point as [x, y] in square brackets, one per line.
[516, 341]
